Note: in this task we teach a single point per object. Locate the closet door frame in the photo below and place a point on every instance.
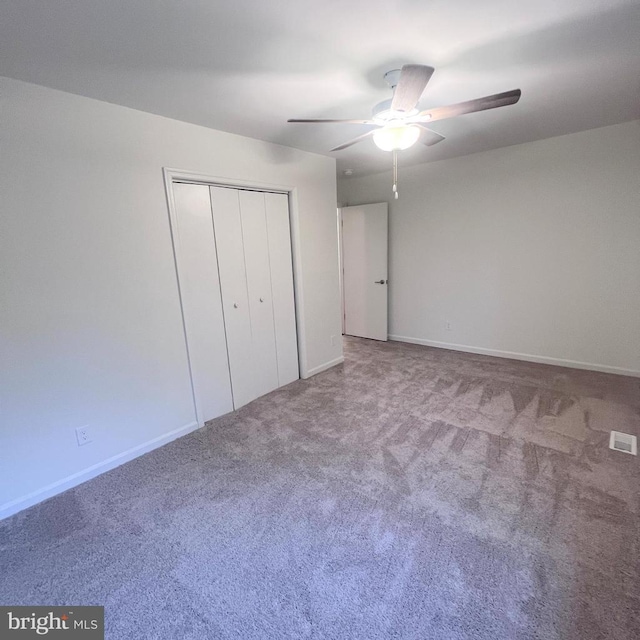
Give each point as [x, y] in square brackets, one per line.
[178, 175]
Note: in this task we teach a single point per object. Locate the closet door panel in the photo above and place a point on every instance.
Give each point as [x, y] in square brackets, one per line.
[281, 263]
[235, 301]
[196, 260]
[256, 253]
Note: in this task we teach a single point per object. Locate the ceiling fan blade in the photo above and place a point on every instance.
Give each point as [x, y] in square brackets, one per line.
[333, 121]
[429, 137]
[354, 141]
[471, 106]
[412, 82]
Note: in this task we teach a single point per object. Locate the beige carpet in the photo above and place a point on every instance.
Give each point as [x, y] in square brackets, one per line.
[410, 493]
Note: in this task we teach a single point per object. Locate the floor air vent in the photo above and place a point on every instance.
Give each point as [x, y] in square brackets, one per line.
[623, 442]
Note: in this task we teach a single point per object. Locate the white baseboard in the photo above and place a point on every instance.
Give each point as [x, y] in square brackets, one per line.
[559, 362]
[14, 506]
[324, 367]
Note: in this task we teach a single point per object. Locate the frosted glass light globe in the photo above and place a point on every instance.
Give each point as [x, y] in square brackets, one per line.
[396, 137]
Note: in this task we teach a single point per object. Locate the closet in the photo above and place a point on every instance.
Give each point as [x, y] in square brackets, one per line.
[234, 264]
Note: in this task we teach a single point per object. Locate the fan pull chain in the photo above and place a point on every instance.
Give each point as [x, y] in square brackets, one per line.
[395, 173]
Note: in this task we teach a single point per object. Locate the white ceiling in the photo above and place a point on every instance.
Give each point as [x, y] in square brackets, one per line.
[245, 66]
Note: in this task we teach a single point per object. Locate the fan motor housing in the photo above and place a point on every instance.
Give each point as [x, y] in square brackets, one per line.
[383, 113]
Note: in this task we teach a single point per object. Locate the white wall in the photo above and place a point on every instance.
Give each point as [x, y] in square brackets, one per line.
[90, 324]
[530, 251]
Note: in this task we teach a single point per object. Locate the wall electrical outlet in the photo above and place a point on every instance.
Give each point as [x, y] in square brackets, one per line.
[83, 434]
[447, 326]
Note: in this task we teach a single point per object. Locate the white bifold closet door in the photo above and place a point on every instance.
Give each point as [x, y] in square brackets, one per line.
[281, 267]
[241, 265]
[235, 296]
[195, 252]
[245, 279]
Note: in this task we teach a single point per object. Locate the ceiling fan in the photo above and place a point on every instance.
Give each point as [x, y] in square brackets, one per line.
[398, 124]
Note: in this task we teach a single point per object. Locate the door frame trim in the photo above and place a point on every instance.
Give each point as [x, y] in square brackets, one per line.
[170, 176]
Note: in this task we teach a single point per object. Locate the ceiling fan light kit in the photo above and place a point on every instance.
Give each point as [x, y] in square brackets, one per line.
[399, 122]
[396, 137]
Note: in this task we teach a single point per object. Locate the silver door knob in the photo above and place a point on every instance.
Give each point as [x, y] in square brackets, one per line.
[261, 299]
[235, 305]
[380, 281]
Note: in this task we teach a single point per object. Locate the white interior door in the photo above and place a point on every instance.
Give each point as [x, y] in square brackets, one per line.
[264, 363]
[235, 298]
[364, 263]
